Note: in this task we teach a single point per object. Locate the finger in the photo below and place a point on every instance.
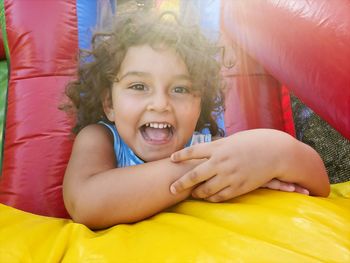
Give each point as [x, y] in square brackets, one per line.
[276, 184]
[199, 151]
[273, 184]
[210, 187]
[287, 187]
[301, 190]
[223, 195]
[197, 175]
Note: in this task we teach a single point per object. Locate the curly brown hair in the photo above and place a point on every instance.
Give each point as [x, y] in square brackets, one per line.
[99, 66]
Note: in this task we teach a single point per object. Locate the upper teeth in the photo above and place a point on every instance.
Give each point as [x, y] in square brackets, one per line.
[158, 125]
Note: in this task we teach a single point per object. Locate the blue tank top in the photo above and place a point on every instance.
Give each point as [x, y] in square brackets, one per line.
[126, 157]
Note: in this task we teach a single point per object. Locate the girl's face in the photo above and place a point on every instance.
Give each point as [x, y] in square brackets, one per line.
[153, 106]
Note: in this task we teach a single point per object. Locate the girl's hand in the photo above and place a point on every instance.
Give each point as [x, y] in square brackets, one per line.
[276, 184]
[235, 165]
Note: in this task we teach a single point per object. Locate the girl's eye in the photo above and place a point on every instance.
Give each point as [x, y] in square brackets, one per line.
[181, 90]
[138, 86]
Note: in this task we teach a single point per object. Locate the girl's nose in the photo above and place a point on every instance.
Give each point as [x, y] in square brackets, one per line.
[159, 101]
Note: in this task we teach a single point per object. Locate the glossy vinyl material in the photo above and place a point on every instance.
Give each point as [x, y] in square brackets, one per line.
[263, 226]
[2, 50]
[253, 97]
[3, 100]
[305, 44]
[42, 39]
[2, 44]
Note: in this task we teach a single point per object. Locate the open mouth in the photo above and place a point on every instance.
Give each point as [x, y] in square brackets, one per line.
[157, 132]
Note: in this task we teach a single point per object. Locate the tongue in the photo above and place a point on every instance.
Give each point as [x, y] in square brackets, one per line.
[155, 134]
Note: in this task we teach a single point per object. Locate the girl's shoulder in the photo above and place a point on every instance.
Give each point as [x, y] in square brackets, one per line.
[92, 151]
[93, 129]
[92, 135]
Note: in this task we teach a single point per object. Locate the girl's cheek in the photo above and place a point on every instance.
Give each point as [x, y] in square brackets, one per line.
[187, 99]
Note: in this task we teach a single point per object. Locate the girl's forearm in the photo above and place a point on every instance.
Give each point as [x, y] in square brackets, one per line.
[302, 165]
[126, 195]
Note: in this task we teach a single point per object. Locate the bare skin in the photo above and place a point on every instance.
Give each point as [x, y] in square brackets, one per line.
[99, 195]
[248, 160]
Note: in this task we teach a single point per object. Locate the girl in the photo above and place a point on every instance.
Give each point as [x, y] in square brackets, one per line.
[147, 87]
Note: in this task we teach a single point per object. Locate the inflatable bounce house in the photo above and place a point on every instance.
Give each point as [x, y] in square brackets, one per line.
[270, 49]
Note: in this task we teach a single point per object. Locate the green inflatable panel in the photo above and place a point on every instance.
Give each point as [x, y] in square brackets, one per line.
[3, 80]
[3, 100]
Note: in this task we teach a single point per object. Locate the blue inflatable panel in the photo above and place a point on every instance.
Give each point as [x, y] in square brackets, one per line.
[86, 15]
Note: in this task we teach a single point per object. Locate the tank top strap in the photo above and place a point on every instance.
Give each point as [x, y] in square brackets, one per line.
[123, 154]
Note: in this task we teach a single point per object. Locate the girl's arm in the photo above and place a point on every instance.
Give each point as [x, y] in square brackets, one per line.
[247, 160]
[99, 195]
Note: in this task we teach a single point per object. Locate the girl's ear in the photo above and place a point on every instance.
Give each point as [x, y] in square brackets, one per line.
[107, 105]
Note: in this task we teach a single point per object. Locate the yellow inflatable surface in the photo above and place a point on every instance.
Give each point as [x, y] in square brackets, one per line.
[263, 226]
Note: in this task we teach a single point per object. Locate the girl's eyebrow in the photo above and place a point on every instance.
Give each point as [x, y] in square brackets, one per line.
[145, 74]
[183, 77]
[134, 73]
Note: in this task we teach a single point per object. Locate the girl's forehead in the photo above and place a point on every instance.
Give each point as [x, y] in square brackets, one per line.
[147, 58]
[151, 50]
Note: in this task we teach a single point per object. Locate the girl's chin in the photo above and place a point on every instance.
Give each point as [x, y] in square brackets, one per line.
[154, 153]
[156, 150]
[155, 157]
